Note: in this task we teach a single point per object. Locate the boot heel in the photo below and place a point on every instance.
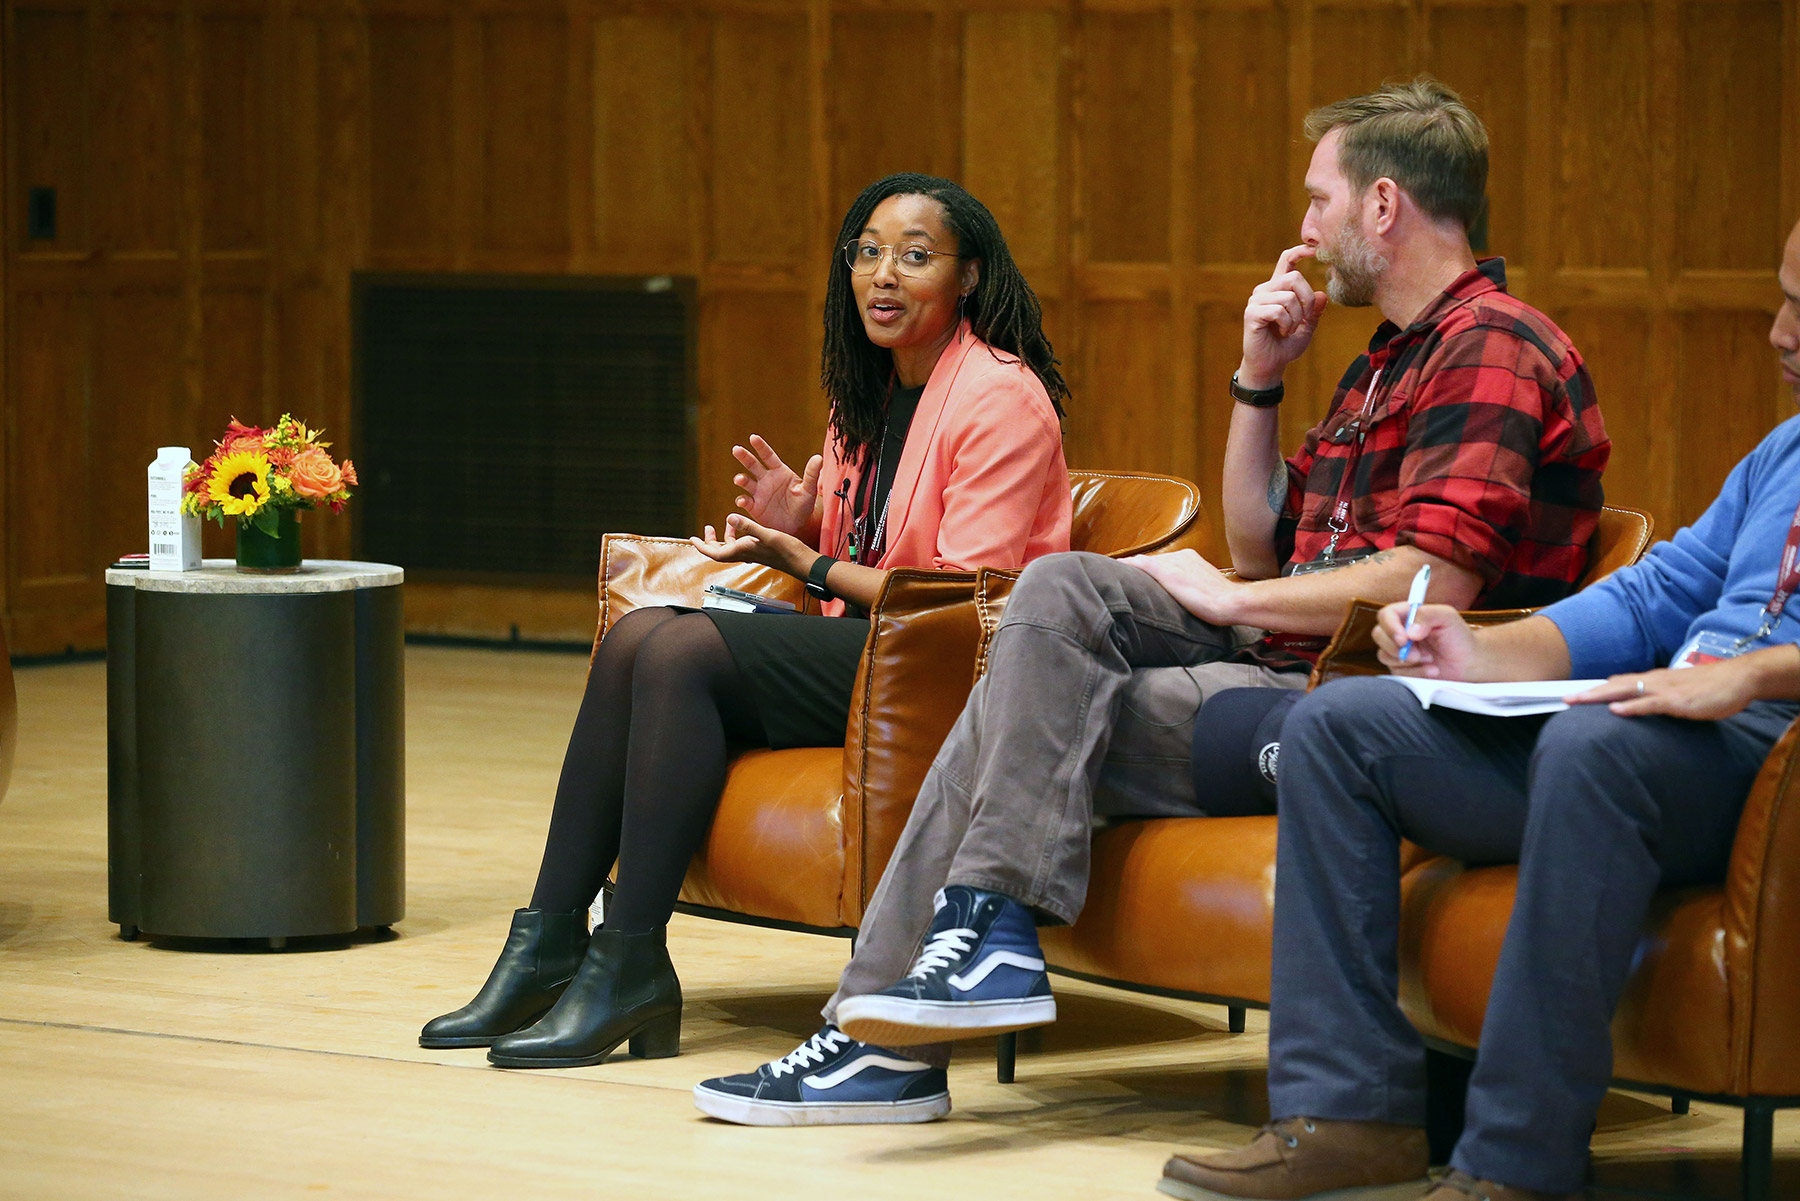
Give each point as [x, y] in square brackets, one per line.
[661, 1039]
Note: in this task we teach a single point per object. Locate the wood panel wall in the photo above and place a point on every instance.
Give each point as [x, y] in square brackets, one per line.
[223, 167]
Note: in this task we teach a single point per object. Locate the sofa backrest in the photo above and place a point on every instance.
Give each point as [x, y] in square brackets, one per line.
[1621, 537]
[1115, 513]
[1132, 512]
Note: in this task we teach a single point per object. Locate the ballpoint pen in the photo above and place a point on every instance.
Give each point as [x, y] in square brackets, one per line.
[1415, 596]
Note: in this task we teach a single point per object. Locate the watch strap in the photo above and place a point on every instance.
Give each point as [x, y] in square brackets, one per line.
[1257, 398]
[815, 578]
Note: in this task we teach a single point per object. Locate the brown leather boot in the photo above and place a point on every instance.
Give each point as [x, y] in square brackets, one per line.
[1298, 1158]
[1460, 1186]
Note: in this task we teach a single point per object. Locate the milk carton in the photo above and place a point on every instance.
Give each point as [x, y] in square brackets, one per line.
[174, 535]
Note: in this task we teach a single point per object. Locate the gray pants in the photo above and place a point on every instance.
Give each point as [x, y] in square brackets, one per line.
[1598, 811]
[1088, 706]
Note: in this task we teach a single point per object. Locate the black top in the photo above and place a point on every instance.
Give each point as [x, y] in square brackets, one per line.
[866, 516]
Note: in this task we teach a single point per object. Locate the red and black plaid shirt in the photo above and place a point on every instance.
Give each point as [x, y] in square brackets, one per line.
[1482, 445]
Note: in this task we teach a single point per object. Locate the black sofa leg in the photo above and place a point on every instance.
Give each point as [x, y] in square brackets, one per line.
[1678, 1103]
[1759, 1149]
[1446, 1092]
[1234, 1018]
[1006, 1057]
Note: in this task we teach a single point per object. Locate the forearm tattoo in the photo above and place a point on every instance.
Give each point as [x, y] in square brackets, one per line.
[1278, 489]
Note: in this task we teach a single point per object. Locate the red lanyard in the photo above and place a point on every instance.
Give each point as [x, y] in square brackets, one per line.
[1787, 578]
[1340, 516]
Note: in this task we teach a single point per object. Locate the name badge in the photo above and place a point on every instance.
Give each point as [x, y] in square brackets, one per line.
[1328, 562]
[1707, 646]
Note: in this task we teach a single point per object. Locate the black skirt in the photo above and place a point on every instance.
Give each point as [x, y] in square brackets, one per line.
[801, 670]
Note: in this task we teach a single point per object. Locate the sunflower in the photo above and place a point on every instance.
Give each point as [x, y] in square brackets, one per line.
[240, 483]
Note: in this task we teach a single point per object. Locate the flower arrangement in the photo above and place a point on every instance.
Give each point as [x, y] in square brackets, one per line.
[255, 474]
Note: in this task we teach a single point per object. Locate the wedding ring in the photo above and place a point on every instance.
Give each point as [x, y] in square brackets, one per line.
[1640, 690]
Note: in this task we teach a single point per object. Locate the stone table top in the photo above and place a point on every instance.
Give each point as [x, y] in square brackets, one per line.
[216, 577]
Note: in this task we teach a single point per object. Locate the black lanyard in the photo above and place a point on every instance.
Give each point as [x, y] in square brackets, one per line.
[862, 542]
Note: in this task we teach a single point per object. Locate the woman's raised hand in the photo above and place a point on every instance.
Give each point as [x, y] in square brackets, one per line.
[771, 493]
[744, 541]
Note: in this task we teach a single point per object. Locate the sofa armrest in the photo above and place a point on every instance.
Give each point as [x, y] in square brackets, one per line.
[637, 571]
[914, 679]
[1762, 928]
[1351, 651]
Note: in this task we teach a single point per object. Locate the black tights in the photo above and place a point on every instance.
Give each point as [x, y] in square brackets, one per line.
[645, 766]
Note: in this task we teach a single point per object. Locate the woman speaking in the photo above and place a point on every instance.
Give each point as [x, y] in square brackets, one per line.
[944, 451]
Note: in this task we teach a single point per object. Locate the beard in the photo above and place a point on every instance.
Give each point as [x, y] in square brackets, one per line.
[1355, 268]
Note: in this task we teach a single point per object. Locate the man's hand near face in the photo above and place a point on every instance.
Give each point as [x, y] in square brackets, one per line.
[1279, 321]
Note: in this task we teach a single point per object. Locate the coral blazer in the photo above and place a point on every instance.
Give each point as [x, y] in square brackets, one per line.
[982, 481]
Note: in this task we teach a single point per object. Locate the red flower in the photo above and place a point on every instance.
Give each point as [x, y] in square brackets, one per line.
[239, 436]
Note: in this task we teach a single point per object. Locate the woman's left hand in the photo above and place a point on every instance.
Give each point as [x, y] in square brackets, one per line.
[744, 541]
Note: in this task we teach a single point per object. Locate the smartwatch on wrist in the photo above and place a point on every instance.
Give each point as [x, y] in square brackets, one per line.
[1256, 398]
[815, 579]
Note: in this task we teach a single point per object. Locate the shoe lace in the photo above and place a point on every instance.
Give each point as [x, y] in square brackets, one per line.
[814, 1050]
[944, 949]
[1288, 1130]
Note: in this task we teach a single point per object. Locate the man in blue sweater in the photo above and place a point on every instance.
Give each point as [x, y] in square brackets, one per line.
[1636, 786]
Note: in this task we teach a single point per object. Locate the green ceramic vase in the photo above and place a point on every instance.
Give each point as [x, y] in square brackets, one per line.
[266, 554]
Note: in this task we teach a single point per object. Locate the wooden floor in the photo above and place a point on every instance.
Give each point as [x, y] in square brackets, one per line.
[139, 1070]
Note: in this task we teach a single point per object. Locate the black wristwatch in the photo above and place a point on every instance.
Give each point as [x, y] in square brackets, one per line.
[1257, 398]
[815, 579]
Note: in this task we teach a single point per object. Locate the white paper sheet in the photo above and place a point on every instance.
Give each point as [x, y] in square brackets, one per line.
[1512, 698]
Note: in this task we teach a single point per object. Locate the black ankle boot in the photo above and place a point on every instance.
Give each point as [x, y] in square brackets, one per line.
[626, 989]
[542, 953]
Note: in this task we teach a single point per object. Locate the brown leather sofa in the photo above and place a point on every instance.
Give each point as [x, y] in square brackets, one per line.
[1208, 884]
[801, 835]
[1712, 1010]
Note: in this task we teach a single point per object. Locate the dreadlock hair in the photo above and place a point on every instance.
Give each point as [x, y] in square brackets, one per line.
[1003, 311]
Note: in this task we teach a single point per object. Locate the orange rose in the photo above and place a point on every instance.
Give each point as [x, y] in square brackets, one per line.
[314, 475]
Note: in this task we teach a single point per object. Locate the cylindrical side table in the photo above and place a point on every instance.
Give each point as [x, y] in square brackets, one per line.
[256, 775]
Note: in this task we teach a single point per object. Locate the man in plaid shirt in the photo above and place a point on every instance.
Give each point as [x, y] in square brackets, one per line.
[1466, 440]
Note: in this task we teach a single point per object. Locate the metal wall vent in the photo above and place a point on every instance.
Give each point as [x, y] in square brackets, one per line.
[504, 425]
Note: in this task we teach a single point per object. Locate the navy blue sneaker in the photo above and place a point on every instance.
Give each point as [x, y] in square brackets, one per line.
[828, 1080]
[980, 972]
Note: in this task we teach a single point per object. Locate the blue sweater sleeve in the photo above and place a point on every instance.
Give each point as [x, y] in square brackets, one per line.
[1636, 618]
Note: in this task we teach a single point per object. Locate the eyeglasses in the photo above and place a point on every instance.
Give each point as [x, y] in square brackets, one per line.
[910, 258]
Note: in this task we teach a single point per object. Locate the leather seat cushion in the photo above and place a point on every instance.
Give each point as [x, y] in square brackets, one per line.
[1673, 1020]
[776, 848]
[1188, 904]
[1183, 903]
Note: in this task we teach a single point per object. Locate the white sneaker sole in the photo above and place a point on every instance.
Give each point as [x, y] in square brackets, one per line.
[1411, 1190]
[747, 1112]
[885, 1021]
